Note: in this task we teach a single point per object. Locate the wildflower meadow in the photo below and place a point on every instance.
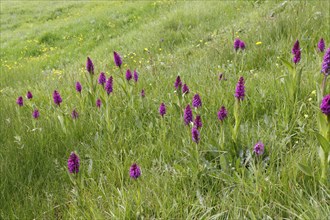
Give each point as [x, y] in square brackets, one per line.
[165, 110]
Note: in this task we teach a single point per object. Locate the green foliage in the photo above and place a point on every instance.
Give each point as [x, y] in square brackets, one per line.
[44, 46]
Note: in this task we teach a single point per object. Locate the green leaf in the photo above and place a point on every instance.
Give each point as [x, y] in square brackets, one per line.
[298, 79]
[323, 142]
[318, 92]
[91, 97]
[288, 65]
[123, 86]
[177, 107]
[103, 100]
[61, 120]
[305, 169]
[323, 125]
[321, 156]
[130, 89]
[237, 164]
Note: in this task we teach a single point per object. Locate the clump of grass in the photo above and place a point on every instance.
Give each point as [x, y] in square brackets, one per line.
[258, 161]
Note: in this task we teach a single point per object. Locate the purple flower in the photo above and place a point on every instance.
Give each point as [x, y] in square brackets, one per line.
[325, 105]
[326, 63]
[73, 163]
[117, 59]
[185, 89]
[321, 45]
[74, 114]
[222, 113]
[29, 95]
[57, 98]
[134, 171]
[143, 93]
[237, 43]
[89, 66]
[78, 87]
[108, 85]
[221, 77]
[242, 45]
[98, 103]
[197, 102]
[102, 79]
[178, 83]
[296, 52]
[198, 122]
[259, 148]
[188, 115]
[19, 101]
[128, 75]
[295, 47]
[162, 109]
[195, 134]
[35, 114]
[297, 57]
[240, 89]
[135, 76]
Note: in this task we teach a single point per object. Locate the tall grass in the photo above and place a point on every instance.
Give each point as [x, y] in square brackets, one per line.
[44, 47]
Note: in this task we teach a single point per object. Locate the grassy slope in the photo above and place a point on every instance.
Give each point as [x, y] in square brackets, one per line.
[44, 48]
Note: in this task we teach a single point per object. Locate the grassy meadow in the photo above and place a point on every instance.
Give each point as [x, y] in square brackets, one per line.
[44, 47]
